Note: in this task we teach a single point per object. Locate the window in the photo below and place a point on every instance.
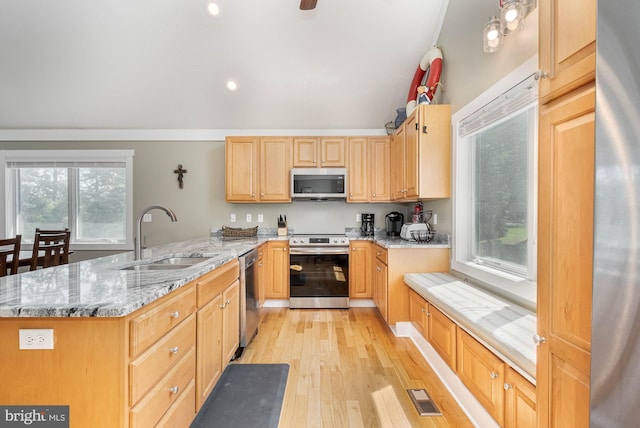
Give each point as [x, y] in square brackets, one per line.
[87, 191]
[495, 191]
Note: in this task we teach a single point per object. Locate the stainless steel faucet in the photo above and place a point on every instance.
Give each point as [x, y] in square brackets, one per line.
[138, 243]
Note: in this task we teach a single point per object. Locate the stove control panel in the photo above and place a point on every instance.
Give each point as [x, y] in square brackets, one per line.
[319, 241]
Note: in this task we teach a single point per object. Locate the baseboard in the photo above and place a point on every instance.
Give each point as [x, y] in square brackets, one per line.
[476, 413]
[284, 303]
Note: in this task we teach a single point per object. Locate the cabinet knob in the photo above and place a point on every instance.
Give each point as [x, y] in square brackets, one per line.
[424, 129]
[174, 349]
[175, 314]
[261, 194]
[378, 268]
[540, 74]
[223, 305]
[507, 386]
[538, 340]
[493, 375]
[374, 195]
[227, 302]
[174, 389]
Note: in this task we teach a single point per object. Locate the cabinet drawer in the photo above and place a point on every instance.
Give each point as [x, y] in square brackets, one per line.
[214, 282]
[155, 322]
[151, 365]
[156, 403]
[381, 254]
[483, 373]
[182, 412]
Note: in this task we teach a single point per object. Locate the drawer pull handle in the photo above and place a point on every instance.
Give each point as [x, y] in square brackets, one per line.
[538, 340]
[493, 375]
[174, 389]
[507, 387]
[175, 314]
[379, 269]
[174, 349]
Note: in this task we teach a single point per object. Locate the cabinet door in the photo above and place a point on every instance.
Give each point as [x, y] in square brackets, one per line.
[398, 164]
[261, 278]
[360, 270]
[230, 322]
[412, 159]
[483, 373]
[418, 312]
[241, 176]
[380, 169]
[442, 336]
[209, 348]
[278, 270]
[305, 152]
[565, 249]
[332, 152]
[380, 288]
[434, 151]
[358, 170]
[567, 45]
[520, 401]
[275, 169]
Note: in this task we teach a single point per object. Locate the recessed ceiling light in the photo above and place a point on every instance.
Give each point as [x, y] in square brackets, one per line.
[231, 85]
[212, 8]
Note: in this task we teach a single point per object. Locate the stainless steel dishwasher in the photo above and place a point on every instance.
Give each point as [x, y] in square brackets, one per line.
[249, 316]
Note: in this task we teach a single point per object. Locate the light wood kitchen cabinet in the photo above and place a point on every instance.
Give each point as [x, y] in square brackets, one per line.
[369, 169]
[519, 401]
[320, 152]
[360, 284]
[277, 270]
[434, 326]
[262, 274]
[567, 40]
[482, 373]
[258, 169]
[358, 169]
[565, 248]
[394, 298]
[421, 166]
[218, 325]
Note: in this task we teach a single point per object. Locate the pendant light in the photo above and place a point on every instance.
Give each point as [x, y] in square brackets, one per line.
[491, 36]
[511, 16]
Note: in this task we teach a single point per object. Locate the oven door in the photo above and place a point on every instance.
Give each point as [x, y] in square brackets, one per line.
[319, 277]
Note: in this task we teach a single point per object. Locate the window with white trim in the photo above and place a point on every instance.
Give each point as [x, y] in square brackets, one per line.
[495, 190]
[88, 191]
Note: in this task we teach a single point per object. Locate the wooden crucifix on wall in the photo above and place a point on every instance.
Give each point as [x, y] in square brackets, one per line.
[181, 172]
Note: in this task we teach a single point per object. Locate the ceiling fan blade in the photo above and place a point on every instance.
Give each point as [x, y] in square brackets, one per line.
[308, 4]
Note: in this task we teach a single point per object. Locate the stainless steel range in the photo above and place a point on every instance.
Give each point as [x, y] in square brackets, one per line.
[319, 271]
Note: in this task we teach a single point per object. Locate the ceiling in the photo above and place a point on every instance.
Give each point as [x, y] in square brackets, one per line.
[163, 64]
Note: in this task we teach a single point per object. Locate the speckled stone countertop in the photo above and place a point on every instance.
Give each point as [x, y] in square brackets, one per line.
[440, 240]
[100, 288]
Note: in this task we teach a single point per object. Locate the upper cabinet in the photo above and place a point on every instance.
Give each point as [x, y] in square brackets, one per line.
[567, 45]
[368, 169]
[257, 169]
[320, 152]
[421, 155]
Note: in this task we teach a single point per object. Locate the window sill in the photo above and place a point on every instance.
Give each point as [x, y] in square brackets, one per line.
[514, 288]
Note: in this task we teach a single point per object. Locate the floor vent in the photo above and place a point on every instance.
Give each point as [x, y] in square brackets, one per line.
[423, 402]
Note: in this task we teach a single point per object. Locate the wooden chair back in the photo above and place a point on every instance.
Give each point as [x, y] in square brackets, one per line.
[9, 247]
[50, 248]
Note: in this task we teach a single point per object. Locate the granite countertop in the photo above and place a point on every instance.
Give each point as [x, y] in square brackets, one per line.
[99, 288]
[503, 326]
[440, 240]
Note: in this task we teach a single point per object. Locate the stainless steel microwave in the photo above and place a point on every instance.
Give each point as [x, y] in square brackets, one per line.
[318, 183]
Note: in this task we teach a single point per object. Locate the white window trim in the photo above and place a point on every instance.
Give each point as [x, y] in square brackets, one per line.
[125, 156]
[521, 290]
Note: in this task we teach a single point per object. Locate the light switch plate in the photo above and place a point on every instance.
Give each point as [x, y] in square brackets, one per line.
[232, 218]
[36, 338]
[248, 218]
[260, 218]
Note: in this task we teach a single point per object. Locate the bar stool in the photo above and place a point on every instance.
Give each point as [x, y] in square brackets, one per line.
[50, 248]
[9, 247]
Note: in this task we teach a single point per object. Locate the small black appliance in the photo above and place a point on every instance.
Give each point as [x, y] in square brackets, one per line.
[366, 227]
[393, 223]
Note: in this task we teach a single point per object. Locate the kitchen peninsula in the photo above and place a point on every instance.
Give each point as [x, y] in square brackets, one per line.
[127, 344]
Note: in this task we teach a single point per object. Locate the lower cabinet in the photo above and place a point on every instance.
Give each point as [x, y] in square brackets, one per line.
[277, 286]
[380, 284]
[519, 401]
[360, 284]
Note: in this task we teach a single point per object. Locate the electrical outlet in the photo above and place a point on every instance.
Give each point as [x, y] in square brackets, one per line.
[248, 218]
[358, 217]
[260, 218]
[435, 219]
[232, 218]
[36, 338]
[147, 218]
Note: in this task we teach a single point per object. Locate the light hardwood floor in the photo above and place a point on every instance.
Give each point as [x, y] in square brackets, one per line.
[347, 369]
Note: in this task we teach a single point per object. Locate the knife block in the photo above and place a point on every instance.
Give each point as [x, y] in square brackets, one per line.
[282, 230]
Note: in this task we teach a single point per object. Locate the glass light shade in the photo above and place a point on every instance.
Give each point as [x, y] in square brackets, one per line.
[511, 16]
[212, 8]
[491, 36]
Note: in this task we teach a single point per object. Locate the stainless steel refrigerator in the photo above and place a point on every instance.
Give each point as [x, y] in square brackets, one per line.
[615, 352]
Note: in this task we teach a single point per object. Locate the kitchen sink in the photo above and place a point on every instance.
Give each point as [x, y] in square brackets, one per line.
[169, 263]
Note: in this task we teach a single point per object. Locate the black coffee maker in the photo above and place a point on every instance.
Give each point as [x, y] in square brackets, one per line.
[393, 223]
[366, 227]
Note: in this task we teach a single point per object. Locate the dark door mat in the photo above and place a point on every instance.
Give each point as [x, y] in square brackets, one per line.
[246, 395]
[423, 402]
